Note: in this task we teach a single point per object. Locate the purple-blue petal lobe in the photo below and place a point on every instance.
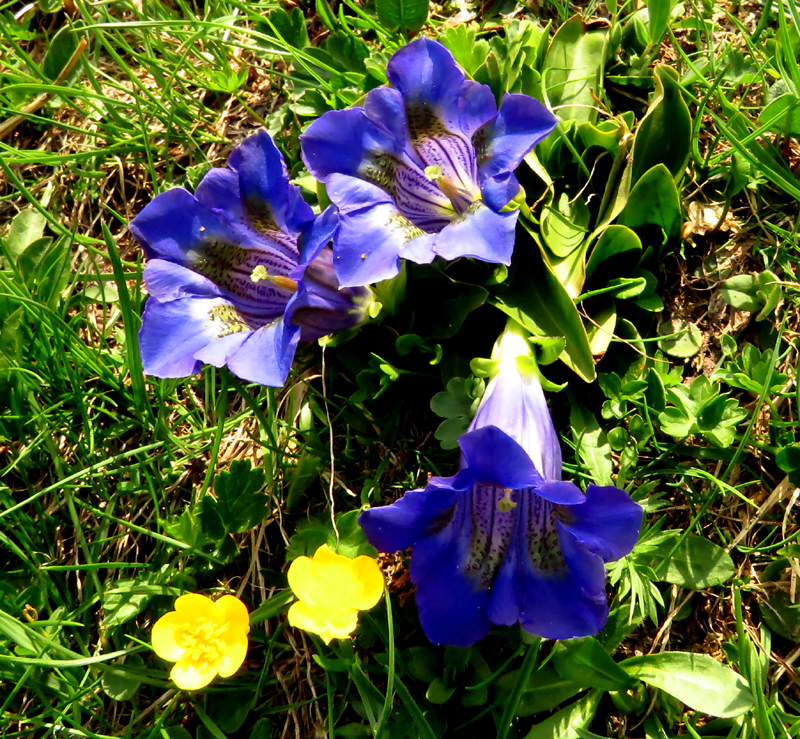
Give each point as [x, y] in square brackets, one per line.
[345, 141]
[607, 523]
[276, 341]
[479, 233]
[500, 190]
[494, 458]
[271, 201]
[411, 519]
[372, 234]
[502, 143]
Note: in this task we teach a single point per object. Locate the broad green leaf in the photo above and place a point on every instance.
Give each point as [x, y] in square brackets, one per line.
[538, 301]
[566, 723]
[687, 341]
[664, 134]
[782, 115]
[408, 15]
[592, 445]
[564, 224]
[602, 332]
[545, 690]
[788, 458]
[59, 50]
[444, 303]
[741, 292]
[586, 663]
[696, 564]
[573, 70]
[26, 227]
[616, 252]
[697, 680]
[121, 683]
[654, 203]
[659, 12]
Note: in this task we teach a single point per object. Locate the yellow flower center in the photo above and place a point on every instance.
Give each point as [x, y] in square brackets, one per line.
[202, 640]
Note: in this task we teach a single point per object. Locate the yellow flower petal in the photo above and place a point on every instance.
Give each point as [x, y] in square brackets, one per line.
[369, 579]
[234, 654]
[194, 605]
[189, 675]
[303, 580]
[327, 622]
[163, 636]
[233, 613]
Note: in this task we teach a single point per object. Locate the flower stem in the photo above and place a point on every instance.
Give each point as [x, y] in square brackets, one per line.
[387, 705]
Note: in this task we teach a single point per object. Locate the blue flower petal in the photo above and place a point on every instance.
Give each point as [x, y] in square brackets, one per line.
[265, 356]
[479, 233]
[219, 190]
[560, 585]
[500, 190]
[373, 234]
[347, 142]
[607, 523]
[451, 604]
[427, 76]
[410, 519]
[502, 143]
[315, 237]
[271, 201]
[494, 458]
[514, 402]
[168, 281]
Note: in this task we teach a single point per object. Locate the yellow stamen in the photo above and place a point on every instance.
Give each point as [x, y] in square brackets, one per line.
[506, 504]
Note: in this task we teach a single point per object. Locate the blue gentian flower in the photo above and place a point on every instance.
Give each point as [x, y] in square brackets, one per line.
[239, 272]
[425, 168]
[505, 540]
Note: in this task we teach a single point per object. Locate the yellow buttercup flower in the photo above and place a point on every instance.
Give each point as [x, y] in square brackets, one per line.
[205, 638]
[331, 590]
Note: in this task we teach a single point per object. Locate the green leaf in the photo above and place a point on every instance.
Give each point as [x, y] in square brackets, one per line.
[447, 302]
[697, 680]
[617, 250]
[305, 474]
[26, 227]
[564, 226]
[741, 292]
[782, 115]
[653, 203]
[573, 70]
[592, 446]
[123, 601]
[407, 15]
[238, 506]
[538, 301]
[568, 721]
[696, 564]
[290, 26]
[788, 458]
[326, 15]
[545, 690]
[121, 684]
[686, 344]
[585, 662]
[659, 12]
[59, 51]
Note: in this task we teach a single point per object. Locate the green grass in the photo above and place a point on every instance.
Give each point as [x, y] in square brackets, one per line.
[99, 463]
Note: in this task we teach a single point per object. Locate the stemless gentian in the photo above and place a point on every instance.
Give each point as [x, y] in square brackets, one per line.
[204, 638]
[331, 590]
[239, 272]
[505, 540]
[425, 168]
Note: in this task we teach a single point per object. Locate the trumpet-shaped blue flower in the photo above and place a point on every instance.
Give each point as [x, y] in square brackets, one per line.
[425, 168]
[505, 540]
[239, 272]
